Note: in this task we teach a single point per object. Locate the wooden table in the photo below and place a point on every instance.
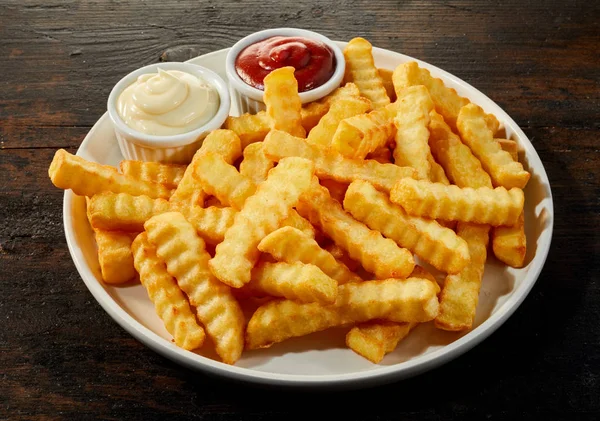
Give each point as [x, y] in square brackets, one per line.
[63, 357]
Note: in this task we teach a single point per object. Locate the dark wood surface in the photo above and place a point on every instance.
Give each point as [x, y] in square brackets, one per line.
[63, 357]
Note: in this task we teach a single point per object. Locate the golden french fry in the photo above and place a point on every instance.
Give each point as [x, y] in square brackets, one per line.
[412, 134]
[237, 254]
[222, 180]
[169, 301]
[457, 160]
[388, 84]
[294, 220]
[509, 146]
[336, 190]
[361, 70]
[221, 142]
[211, 223]
[378, 255]
[232, 189]
[295, 281]
[510, 244]
[122, 211]
[447, 102]
[255, 164]
[362, 134]
[451, 203]
[436, 172]
[254, 127]
[283, 102]
[460, 295]
[186, 258]
[313, 112]
[340, 109]
[398, 300]
[332, 165]
[250, 128]
[86, 178]
[438, 246]
[114, 256]
[168, 175]
[290, 245]
[480, 139]
[372, 340]
[421, 272]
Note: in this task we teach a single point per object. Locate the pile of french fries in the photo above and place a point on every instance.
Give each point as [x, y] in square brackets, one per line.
[331, 214]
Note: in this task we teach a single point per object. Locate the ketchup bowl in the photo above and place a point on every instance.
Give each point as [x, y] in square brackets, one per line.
[168, 146]
[305, 52]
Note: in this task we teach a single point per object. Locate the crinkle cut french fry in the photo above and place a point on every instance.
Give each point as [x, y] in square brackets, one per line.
[114, 252]
[509, 146]
[451, 203]
[412, 148]
[221, 142]
[510, 244]
[222, 180]
[378, 255]
[294, 220]
[436, 172]
[388, 84]
[186, 258]
[168, 175]
[122, 211]
[231, 188]
[86, 178]
[313, 111]
[332, 165]
[295, 281]
[255, 164]
[211, 223]
[362, 134]
[361, 70]
[237, 254]
[498, 163]
[114, 256]
[438, 246]
[253, 128]
[290, 245]
[169, 301]
[250, 128]
[421, 272]
[340, 109]
[460, 295]
[372, 340]
[398, 300]
[447, 102]
[283, 102]
[457, 160]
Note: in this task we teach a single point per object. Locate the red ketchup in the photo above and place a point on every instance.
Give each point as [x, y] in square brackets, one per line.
[313, 60]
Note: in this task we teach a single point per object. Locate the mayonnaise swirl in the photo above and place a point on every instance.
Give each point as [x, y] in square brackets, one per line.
[167, 103]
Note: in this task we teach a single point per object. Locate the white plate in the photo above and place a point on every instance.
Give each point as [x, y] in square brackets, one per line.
[322, 359]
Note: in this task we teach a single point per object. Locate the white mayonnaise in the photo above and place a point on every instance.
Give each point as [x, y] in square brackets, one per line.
[168, 103]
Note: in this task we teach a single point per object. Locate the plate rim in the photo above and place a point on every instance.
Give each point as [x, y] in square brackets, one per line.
[367, 378]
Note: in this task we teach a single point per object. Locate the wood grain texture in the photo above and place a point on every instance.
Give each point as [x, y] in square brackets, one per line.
[62, 357]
